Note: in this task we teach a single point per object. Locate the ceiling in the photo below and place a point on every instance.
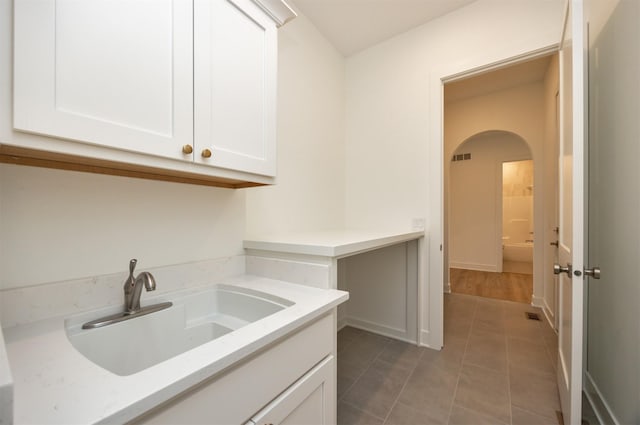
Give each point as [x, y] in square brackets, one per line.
[500, 79]
[354, 25]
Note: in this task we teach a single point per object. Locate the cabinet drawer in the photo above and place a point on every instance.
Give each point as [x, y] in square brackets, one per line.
[235, 395]
[309, 401]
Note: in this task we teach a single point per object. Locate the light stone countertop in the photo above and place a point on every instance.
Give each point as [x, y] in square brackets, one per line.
[55, 384]
[332, 243]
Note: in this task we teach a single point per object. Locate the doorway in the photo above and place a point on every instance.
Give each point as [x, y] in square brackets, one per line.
[496, 226]
[517, 217]
[491, 217]
[516, 104]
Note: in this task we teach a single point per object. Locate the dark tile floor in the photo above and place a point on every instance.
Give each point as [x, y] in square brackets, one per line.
[496, 367]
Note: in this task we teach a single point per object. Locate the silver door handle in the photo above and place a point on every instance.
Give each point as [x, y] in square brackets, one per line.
[593, 272]
[557, 269]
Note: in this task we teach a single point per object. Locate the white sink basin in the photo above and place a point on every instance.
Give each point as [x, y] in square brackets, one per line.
[130, 346]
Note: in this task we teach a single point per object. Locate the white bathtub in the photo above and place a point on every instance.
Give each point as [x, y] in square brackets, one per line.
[517, 251]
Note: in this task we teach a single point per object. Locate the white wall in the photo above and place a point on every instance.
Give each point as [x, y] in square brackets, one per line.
[388, 116]
[475, 200]
[59, 225]
[309, 194]
[394, 116]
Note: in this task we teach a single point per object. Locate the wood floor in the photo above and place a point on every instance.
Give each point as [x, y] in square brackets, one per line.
[507, 286]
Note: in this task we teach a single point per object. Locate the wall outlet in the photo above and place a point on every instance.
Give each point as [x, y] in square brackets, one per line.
[418, 224]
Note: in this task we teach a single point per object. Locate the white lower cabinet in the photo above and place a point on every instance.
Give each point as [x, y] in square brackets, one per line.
[309, 401]
[292, 381]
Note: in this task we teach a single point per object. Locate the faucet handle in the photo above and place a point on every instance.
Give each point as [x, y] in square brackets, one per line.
[132, 265]
[130, 282]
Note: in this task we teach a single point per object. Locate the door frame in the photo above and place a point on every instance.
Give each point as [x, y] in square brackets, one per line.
[500, 204]
[432, 326]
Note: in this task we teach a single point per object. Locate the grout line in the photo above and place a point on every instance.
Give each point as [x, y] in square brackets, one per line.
[536, 413]
[540, 342]
[360, 409]
[355, 381]
[509, 378]
[404, 385]
[475, 309]
[464, 354]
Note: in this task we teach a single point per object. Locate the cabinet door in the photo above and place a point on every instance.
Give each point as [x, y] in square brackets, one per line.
[310, 401]
[235, 45]
[115, 73]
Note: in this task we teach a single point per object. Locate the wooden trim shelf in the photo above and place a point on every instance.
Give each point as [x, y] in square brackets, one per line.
[36, 158]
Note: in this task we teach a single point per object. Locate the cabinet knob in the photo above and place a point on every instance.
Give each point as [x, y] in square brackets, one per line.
[206, 153]
[187, 149]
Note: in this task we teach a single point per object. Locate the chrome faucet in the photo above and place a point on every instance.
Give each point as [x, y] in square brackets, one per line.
[133, 288]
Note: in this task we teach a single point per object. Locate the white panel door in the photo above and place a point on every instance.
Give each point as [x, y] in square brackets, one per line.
[571, 204]
[116, 73]
[235, 86]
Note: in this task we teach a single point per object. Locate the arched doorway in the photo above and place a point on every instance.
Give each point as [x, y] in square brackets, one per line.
[489, 217]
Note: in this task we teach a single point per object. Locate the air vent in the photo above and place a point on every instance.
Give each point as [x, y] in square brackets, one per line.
[461, 157]
[532, 316]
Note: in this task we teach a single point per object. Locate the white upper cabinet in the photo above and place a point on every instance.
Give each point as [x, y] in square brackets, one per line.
[115, 73]
[235, 91]
[191, 83]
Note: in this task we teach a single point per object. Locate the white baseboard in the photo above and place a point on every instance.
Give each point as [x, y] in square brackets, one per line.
[550, 316]
[537, 301]
[548, 309]
[341, 323]
[473, 266]
[425, 340]
[598, 403]
[399, 334]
